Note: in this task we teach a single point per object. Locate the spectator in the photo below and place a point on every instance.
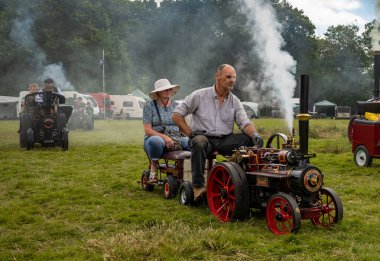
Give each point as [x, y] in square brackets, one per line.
[156, 119]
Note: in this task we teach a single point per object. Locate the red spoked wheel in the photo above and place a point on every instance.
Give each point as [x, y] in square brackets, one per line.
[283, 214]
[225, 193]
[331, 208]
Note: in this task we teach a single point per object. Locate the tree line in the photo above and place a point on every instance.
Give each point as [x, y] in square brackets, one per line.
[183, 40]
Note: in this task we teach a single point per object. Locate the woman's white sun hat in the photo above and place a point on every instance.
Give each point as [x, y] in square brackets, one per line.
[162, 85]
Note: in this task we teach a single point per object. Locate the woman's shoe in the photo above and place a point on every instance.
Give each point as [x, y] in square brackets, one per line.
[153, 178]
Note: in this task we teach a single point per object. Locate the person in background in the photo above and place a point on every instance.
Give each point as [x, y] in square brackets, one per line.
[214, 111]
[155, 141]
[89, 109]
[373, 116]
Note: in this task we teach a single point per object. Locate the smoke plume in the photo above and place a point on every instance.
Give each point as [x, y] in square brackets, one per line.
[375, 33]
[22, 34]
[277, 66]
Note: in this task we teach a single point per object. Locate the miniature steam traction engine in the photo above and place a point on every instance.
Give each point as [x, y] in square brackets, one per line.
[279, 179]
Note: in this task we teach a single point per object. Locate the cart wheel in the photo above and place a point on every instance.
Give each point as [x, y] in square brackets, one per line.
[225, 193]
[186, 194]
[279, 139]
[283, 215]
[65, 139]
[144, 181]
[29, 139]
[170, 187]
[331, 208]
[361, 157]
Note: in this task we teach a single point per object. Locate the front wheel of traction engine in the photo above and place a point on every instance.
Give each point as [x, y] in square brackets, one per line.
[225, 193]
[186, 194]
[361, 157]
[144, 181]
[170, 187]
[331, 208]
[283, 214]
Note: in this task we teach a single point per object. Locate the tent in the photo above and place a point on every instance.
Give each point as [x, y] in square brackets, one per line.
[324, 109]
[139, 93]
[8, 107]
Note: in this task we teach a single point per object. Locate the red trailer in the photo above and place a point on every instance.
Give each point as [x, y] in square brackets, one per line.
[104, 102]
[364, 135]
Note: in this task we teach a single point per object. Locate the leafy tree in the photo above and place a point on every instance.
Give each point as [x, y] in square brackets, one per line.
[341, 66]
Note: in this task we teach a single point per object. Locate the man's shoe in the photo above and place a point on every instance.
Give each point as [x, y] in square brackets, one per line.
[198, 192]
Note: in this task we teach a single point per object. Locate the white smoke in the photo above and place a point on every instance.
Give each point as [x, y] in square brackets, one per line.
[56, 72]
[22, 34]
[375, 33]
[278, 67]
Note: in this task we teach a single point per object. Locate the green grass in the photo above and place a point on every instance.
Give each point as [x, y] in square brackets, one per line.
[87, 204]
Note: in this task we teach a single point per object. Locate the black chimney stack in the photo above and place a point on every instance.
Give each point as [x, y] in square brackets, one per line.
[303, 117]
[376, 74]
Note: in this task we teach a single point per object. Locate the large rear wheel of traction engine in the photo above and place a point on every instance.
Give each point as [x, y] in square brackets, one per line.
[331, 208]
[244, 182]
[186, 194]
[25, 124]
[170, 187]
[29, 139]
[65, 139]
[283, 214]
[144, 181]
[225, 193]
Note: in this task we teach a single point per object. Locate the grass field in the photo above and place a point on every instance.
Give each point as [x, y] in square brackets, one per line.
[87, 204]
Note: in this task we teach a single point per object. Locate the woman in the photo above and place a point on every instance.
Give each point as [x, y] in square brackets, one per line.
[156, 118]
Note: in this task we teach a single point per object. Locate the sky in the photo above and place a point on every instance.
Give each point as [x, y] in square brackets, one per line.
[324, 13]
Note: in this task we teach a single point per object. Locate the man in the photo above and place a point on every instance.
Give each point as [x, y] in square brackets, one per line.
[214, 111]
[51, 87]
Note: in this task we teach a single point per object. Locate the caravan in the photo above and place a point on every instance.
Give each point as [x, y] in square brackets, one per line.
[127, 106]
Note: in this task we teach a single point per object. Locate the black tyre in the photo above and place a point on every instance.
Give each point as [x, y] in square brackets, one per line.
[65, 139]
[246, 199]
[144, 181]
[361, 157]
[90, 123]
[25, 124]
[186, 194]
[170, 187]
[29, 139]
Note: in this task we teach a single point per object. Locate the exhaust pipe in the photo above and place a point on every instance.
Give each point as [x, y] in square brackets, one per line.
[303, 117]
[376, 74]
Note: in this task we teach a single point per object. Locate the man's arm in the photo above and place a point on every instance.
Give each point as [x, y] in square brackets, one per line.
[250, 130]
[181, 123]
